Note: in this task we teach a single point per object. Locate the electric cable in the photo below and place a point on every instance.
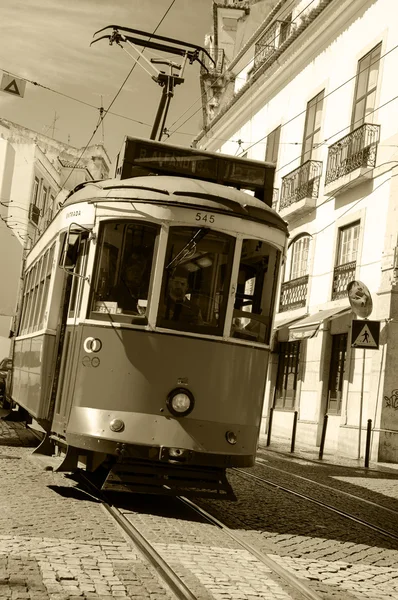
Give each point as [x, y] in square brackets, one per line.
[221, 75]
[105, 112]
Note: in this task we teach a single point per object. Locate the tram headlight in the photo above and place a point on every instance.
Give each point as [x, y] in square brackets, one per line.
[231, 437]
[180, 402]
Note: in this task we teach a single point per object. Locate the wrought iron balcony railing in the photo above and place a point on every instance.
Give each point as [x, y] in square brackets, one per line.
[271, 40]
[293, 293]
[342, 275]
[218, 56]
[301, 183]
[355, 150]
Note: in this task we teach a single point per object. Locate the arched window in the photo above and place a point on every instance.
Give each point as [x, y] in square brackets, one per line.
[299, 254]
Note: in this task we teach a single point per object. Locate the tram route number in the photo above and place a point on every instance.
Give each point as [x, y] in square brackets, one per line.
[204, 217]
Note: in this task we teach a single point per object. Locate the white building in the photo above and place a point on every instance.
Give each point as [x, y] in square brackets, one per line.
[35, 172]
[312, 86]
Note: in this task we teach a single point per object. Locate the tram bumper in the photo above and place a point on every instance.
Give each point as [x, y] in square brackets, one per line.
[144, 477]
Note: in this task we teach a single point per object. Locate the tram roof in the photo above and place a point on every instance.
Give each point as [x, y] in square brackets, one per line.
[178, 191]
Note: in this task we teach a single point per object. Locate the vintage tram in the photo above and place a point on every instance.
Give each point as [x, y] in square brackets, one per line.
[145, 324]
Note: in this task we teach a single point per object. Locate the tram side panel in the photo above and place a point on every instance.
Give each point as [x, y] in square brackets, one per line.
[32, 375]
[129, 375]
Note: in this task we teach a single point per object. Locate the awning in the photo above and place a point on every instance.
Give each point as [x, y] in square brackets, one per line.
[281, 329]
[309, 326]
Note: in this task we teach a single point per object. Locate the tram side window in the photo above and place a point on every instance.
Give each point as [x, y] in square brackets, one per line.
[196, 280]
[255, 293]
[37, 284]
[123, 271]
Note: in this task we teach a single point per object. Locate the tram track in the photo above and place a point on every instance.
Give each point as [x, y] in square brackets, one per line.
[320, 503]
[123, 517]
[329, 488]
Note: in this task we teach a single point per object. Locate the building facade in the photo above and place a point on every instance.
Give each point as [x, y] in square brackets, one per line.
[311, 87]
[36, 173]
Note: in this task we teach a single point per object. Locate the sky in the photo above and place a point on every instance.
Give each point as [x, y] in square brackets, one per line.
[48, 42]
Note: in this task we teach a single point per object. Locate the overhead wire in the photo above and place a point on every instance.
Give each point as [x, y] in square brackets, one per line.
[106, 111]
[301, 112]
[45, 87]
[221, 75]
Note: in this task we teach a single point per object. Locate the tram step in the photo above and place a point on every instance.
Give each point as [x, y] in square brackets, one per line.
[173, 480]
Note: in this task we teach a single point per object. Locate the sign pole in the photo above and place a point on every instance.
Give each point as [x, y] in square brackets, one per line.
[361, 404]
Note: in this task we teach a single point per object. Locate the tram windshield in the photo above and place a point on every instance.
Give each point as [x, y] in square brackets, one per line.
[196, 280]
[255, 294]
[123, 273]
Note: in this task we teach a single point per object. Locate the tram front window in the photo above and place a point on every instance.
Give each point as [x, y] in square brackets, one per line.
[255, 294]
[196, 280]
[124, 271]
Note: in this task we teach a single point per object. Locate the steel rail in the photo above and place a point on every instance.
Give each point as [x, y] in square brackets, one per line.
[329, 487]
[379, 530]
[289, 578]
[169, 576]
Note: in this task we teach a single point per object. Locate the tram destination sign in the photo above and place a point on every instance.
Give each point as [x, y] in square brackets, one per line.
[147, 157]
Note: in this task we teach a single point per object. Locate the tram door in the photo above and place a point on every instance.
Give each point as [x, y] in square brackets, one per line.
[75, 262]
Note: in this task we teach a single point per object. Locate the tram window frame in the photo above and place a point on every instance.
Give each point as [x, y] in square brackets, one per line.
[108, 308]
[35, 293]
[196, 304]
[261, 260]
[80, 249]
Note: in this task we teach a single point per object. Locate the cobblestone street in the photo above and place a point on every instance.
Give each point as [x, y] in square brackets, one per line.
[57, 542]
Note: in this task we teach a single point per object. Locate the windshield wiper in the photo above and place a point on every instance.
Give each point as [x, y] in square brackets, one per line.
[188, 248]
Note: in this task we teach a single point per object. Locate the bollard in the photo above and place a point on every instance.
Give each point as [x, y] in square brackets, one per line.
[294, 430]
[321, 447]
[368, 435]
[271, 412]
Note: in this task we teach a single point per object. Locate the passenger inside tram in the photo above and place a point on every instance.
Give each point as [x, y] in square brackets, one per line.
[133, 283]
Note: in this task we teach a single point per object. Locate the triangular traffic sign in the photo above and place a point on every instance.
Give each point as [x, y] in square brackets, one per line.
[365, 339]
[12, 88]
[13, 85]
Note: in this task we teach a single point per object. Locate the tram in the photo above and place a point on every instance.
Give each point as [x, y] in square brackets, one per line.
[144, 329]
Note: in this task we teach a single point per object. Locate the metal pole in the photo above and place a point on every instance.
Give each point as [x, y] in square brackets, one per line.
[294, 430]
[323, 436]
[368, 436]
[159, 114]
[361, 404]
[271, 412]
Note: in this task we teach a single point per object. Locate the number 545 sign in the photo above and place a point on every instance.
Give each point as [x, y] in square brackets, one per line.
[203, 217]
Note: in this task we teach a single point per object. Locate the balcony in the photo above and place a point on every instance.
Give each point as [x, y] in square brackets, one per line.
[271, 41]
[300, 190]
[342, 276]
[352, 159]
[209, 67]
[294, 294]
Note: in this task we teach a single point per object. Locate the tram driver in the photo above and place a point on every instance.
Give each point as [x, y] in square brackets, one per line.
[178, 306]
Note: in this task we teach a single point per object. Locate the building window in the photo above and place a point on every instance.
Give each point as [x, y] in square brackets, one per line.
[286, 380]
[336, 373]
[272, 149]
[346, 258]
[312, 129]
[299, 257]
[35, 194]
[285, 29]
[44, 200]
[365, 87]
[348, 244]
